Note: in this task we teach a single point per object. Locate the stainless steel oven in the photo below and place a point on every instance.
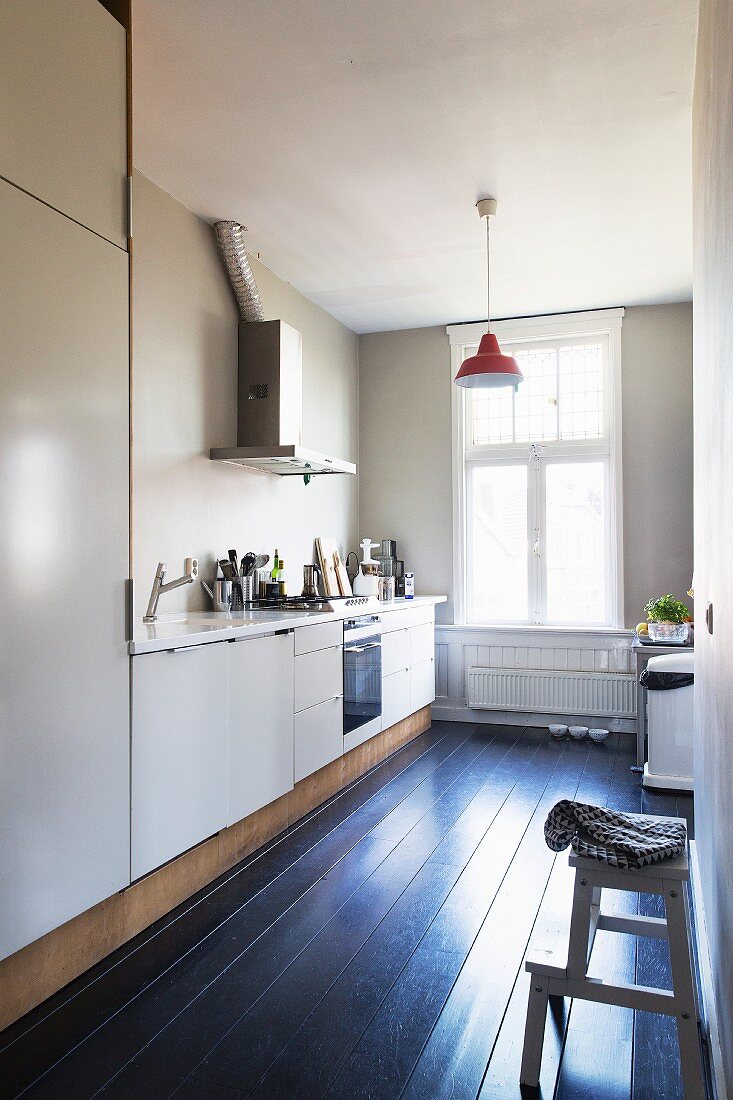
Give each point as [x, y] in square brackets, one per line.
[362, 673]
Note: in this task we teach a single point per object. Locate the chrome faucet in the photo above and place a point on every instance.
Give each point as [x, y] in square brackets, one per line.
[192, 570]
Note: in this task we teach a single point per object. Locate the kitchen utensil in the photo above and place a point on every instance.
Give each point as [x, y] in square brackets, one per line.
[578, 732]
[598, 735]
[325, 550]
[261, 560]
[385, 589]
[341, 575]
[310, 581]
[248, 564]
[558, 730]
[234, 560]
[226, 568]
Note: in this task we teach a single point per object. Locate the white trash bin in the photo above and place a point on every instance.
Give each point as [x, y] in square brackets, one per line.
[671, 721]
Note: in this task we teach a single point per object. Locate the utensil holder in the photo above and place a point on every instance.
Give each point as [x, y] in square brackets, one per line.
[242, 592]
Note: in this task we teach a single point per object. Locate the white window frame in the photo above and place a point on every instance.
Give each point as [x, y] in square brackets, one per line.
[604, 323]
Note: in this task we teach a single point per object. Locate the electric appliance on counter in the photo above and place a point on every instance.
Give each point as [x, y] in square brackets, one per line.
[362, 674]
[392, 566]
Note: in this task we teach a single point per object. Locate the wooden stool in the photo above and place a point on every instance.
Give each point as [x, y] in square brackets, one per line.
[555, 973]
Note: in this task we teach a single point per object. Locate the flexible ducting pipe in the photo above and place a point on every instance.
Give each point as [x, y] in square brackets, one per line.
[230, 236]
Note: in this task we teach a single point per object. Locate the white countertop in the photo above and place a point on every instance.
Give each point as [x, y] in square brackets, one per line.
[201, 627]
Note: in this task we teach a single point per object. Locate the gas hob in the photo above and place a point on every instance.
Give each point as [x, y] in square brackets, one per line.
[358, 605]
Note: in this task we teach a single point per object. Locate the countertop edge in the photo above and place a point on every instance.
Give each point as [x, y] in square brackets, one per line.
[282, 621]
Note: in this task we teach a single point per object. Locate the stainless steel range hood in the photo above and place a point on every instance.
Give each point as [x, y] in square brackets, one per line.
[270, 405]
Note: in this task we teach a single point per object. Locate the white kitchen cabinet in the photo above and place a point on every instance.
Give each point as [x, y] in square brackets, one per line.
[422, 685]
[395, 651]
[422, 643]
[396, 698]
[179, 751]
[64, 447]
[318, 676]
[319, 736]
[408, 665]
[261, 736]
[63, 136]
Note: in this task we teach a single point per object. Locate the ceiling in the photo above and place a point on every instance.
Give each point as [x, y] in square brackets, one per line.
[353, 137]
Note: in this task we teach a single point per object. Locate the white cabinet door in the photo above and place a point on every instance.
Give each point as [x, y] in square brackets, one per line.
[422, 643]
[422, 685]
[319, 737]
[318, 676]
[395, 651]
[63, 136]
[396, 698]
[260, 723]
[179, 751]
[65, 679]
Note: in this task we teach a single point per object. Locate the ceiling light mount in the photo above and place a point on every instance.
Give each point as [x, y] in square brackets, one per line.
[486, 207]
[488, 368]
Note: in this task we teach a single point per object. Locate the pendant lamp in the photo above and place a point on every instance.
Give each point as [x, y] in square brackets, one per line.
[488, 368]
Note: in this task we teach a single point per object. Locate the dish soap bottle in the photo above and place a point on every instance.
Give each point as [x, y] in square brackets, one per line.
[365, 581]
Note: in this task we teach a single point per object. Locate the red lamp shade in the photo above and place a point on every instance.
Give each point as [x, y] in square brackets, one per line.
[488, 367]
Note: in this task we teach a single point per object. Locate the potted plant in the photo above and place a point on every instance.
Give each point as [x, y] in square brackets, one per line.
[669, 620]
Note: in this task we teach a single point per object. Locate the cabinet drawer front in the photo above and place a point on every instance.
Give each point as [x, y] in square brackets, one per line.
[318, 676]
[395, 651]
[396, 698]
[319, 737]
[422, 643]
[422, 685]
[308, 639]
[406, 616]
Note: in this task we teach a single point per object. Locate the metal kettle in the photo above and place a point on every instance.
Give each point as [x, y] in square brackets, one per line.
[221, 595]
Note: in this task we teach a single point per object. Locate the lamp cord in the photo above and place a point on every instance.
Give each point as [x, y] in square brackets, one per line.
[488, 278]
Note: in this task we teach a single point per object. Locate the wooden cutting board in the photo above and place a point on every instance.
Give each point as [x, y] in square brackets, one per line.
[326, 549]
[341, 575]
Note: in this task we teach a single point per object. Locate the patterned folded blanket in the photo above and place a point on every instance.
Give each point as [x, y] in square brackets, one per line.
[621, 840]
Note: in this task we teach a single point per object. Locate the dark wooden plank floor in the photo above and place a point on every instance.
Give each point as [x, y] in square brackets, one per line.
[374, 950]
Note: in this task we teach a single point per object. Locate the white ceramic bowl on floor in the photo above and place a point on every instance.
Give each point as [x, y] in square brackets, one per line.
[558, 730]
[578, 732]
[598, 734]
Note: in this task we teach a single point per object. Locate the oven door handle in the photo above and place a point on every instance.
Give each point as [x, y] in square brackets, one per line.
[361, 648]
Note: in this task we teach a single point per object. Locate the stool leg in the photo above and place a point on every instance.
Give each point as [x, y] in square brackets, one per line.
[534, 1031]
[683, 984]
[581, 928]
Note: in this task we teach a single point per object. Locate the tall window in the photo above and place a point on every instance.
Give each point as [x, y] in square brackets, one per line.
[538, 477]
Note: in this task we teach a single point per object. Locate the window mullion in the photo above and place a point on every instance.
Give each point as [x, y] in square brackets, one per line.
[535, 537]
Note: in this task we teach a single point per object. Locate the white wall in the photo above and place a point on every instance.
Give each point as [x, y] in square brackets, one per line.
[713, 297]
[405, 452]
[185, 401]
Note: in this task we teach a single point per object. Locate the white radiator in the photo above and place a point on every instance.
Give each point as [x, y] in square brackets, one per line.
[610, 694]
